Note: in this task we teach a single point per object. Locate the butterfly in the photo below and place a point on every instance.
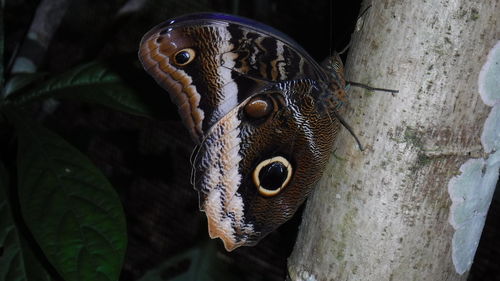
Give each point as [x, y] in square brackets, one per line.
[262, 111]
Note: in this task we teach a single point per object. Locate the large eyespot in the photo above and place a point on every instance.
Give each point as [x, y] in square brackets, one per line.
[259, 106]
[184, 56]
[272, 175]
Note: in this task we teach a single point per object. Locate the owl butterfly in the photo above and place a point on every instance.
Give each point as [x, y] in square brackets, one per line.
[262, 112]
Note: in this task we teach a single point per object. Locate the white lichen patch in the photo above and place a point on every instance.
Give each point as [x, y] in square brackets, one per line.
[490, 138]
[472, 191]
[306, 276]
[297, 274]
[489, 89]
[489, 77]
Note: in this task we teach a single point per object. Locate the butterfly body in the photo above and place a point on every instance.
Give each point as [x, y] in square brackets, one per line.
[261, 111]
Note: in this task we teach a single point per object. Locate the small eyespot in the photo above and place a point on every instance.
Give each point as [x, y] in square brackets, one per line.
[184, 56]
[272, 175]
[259, 107]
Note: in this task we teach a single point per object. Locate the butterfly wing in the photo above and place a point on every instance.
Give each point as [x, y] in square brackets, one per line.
[296, 134]
[231, 58]
[254, 102]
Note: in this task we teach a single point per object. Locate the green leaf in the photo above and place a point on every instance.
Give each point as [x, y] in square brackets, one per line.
[17, 262]
[93, 82]
[203, 265]
[69, 206]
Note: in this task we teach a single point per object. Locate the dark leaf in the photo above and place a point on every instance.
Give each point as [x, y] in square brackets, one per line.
[71, 209]
[93, 82]
[17, 262]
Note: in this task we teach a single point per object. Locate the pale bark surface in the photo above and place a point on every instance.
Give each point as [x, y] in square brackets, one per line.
[382, 214]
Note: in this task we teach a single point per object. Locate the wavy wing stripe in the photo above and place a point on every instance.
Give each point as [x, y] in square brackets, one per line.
[178, 83]
[279, 64]
[226, 90]
[220, 181]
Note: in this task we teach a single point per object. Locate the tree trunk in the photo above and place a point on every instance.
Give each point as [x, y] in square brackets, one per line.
[383, 214]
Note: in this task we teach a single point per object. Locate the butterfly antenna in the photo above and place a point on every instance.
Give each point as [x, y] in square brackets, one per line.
[360, 85]
[345, 124]
[351, 131]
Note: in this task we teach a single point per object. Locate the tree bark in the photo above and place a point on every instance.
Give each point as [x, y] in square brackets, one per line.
[382, 214]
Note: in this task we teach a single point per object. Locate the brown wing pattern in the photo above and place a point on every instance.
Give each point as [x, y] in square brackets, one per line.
[260, 110]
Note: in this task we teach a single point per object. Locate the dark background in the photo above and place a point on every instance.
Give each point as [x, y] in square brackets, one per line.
[147, 160]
